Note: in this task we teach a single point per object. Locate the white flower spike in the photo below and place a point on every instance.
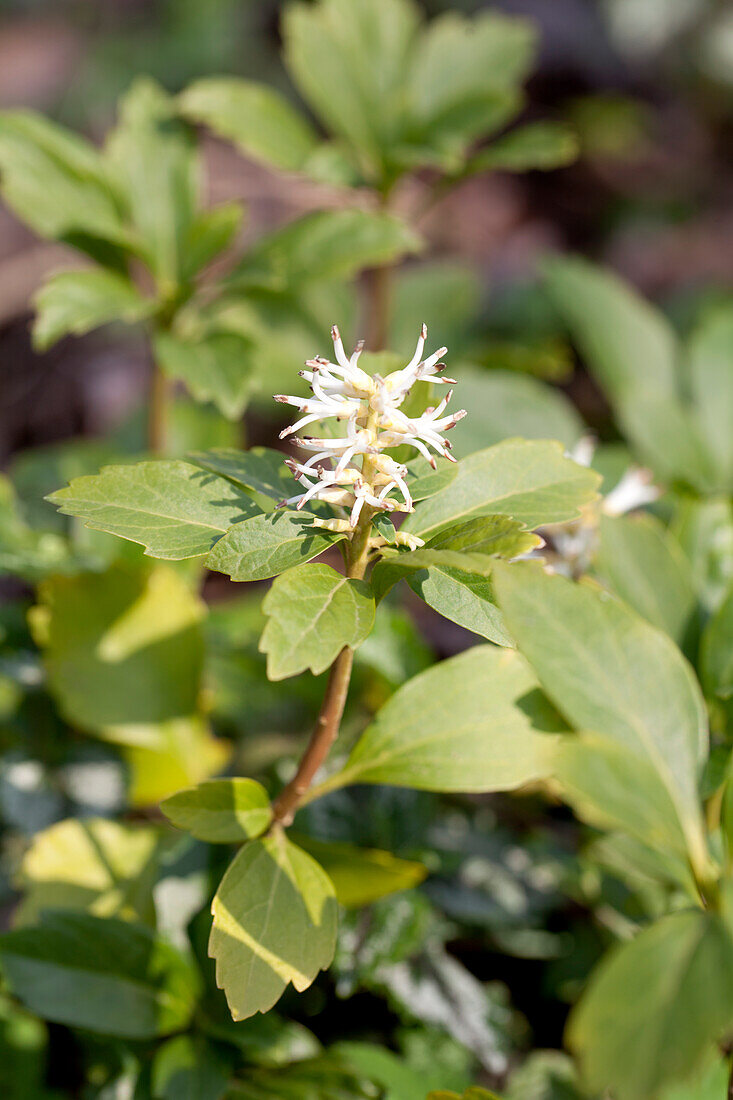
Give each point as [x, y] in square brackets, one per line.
[374, 423]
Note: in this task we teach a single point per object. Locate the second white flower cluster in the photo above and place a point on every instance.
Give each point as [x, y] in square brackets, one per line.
[370, 407]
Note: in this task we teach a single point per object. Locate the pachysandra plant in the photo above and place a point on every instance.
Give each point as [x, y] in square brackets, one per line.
[275, 910]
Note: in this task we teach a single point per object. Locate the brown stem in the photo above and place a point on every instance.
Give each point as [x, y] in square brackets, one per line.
[332, 708]
[379, 288]
[158, 411]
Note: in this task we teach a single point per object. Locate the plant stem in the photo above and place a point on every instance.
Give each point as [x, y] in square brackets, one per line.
[158, 411]
[379, 288]
[332, 708]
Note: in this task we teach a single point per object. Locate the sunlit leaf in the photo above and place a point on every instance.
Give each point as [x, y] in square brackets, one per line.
[473, 723]
[221, 811]
[172, 508]
[313, 613]
[255, 117]
[79, 301]
[274, 924]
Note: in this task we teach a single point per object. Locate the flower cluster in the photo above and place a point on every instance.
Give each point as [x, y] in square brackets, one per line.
[353, 470]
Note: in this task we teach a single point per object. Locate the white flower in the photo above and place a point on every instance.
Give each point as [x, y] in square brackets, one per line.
[370, 406]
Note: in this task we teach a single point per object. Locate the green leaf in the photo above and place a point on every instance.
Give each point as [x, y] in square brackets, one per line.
[275, 919]
[395, 565]
[23, 1049]
[628, 346]
[123, 650]
[260, 121]
[348, 59]
[613, 787]
[28, 553]
[710, 375]
[539, 145]
[425, 482]
[476, 67]
[325, 245]
[473, 723]
[313, 613]
[499, 536]
[448, 293]
[655, 1006]
[260, 469]
[79, 301]
[362, 875]
[609, 671]
[503, 404]
[216, 366]
[164, 757]
[474, 1093]
[221, 811]
[531, 481]
[172, 508]
[56, 182]
[465, 598]
[716, 651]
[102, 866]
[644, 565]
[266, 545]
[211, 231]
[381, 1067]
[105, 975]
[188, 1068]
[667, 438]
[152, 154]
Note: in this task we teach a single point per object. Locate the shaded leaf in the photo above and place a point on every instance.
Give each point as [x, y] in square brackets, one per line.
[504, 404]
[132, 984]
[645, 566]
[216, 366]
[362, 875]
[328, 244]
[716, 651]
[102, 866]
[465, 598]
[542, 145]
[274, 924]
[655, 1006]
[188, 1068]
[609, 671]
[221, 811]
[123, 650]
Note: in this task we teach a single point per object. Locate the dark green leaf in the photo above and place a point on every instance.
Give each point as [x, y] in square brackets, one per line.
[105, 975]
[542, 145]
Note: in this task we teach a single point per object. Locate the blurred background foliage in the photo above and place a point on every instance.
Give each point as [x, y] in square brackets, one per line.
[470, 977]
